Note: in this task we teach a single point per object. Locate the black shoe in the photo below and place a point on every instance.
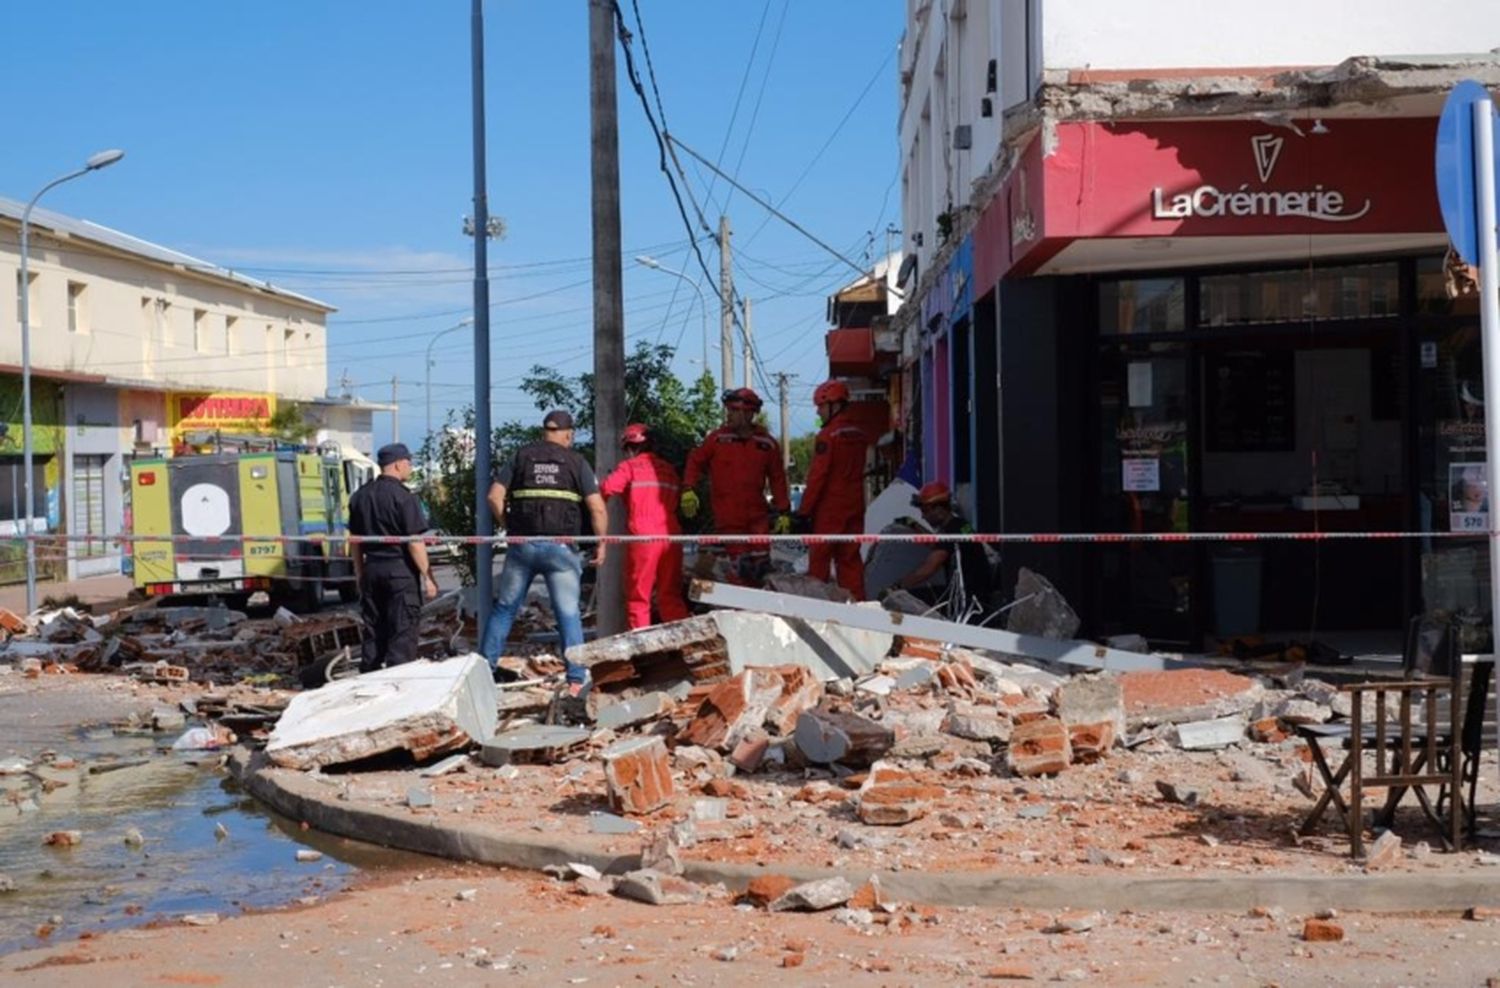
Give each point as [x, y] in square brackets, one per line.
[504, 675]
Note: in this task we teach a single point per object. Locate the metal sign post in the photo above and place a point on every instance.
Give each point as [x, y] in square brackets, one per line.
[1489, 331]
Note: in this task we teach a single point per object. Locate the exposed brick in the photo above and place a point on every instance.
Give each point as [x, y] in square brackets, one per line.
[1322, 931]
[1011, 972]
[896, 803]
[1039, 747]
[793, 960]
[765, 889]
[1175, 696]
[750, 752]
[1091, 742]
[1022, 709]
[733, 710]
[800, 690]
[11, 622]
[638, 775]
[867, 896]
[1268, 730]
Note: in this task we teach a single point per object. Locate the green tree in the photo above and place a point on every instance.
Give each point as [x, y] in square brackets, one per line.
[802, 451]
[289, 424]
[679, 416]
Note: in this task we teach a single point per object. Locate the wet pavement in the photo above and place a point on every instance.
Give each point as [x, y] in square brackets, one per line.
[162, 834]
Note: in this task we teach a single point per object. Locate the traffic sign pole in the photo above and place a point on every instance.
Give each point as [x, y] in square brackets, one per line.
[1489, 332]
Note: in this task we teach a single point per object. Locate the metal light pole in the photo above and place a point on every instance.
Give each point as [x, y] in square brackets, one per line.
[95, 162]
[427, 391]
[655, 265]
[484, 522]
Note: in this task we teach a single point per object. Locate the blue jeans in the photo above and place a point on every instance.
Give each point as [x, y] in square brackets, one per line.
[562, 567]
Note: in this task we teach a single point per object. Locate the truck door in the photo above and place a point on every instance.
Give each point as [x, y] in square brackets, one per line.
[205, 499]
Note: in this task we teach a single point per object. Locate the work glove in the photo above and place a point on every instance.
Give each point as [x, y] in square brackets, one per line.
[689, 504]
[782, 525]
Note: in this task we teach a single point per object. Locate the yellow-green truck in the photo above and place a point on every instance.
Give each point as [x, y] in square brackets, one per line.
[195, 517]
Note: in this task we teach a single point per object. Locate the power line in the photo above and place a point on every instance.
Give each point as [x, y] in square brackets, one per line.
[739, 96]
[759, 95]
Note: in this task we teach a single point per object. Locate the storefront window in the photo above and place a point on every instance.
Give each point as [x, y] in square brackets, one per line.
[1445, 289]
[1138, 306]
[1354, 291]
[1452, 494]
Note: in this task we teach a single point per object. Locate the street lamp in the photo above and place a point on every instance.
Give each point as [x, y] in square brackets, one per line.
[102, 159]
[656, 265]
[427, 365]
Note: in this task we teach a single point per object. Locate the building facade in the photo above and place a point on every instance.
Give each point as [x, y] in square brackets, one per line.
[1177, 276]
[133, 347]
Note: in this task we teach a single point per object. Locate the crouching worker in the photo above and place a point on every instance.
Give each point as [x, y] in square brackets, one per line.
[543, 490]
[651, 488]
[964, 563]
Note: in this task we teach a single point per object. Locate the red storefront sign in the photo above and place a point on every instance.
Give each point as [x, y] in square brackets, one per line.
[1215, 178]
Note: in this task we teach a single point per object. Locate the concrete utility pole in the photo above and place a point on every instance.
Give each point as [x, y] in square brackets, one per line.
[748, 353]
[395, 411]
[726, 307]
[484, 522]
[609, 306]
[786, 409]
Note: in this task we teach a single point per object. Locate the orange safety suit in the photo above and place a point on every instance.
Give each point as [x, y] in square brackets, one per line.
[834, 501]
[651, 487]
[738, 469]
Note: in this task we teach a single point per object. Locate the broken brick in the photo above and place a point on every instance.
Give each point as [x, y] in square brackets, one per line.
[750, 752]
[1022, 709]
[734, 709]
[765, 889]
[897, 803]
[1091, 742]
[11, 622]
[637, 775]
[1175, 696]
[867, 896]
[1268, 730]
[793, 960]
[1039, 747]
[800, 690]
[1322, 931]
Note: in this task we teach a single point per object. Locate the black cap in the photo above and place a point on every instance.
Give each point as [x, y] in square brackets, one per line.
[558, 420]
[392, 453]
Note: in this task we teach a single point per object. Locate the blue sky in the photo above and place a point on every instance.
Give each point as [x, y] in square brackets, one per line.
[325, 146]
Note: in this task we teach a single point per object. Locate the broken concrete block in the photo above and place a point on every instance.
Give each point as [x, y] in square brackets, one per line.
[966, 720]
[1205, 735]
[419, 797]
[1175, 696]
[544, 743]
[814, 896]
[801, 585]
[1091, 742]
[1039, 747]
[825, 737]
[1091, 699]
[661, 854]
[657, 889]
[1385, 852]
[638, 710]
[449, 765]
[1047, 614]
[734, 709]
[1174, 793]
[608, 823]
[712, 647]
[424, 708]
[800, 690]
[167, 719]
[638, 775]
[1297, 710]
[892, 798]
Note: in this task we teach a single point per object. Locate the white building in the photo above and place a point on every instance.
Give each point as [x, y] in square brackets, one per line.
[1180, 267]
[133, 345]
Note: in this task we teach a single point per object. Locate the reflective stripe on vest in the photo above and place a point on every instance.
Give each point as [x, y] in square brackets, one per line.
[655, 483]
[557, 495]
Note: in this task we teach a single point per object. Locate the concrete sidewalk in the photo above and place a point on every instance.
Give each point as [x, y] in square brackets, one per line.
[93, 590]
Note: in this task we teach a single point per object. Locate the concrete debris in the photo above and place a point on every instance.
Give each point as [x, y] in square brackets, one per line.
[1176, 696]
[800, 690]
[802, 585]
[816, 896]
[1041, 610]
[638, 775]
[1384, 853]
[1205, 735]
[1297, 710]
[975, 723]
[826, 736]
[449, 765]
[734, 709]
[1174, 793]
[533, 743]
[134, 838]
[308, 856]
[419, 798]
[424, 708]
[1091, 699]
[200, 919]
[637, 710]
[608, 823]
[661, 854]
[657, 889]
[892, 797]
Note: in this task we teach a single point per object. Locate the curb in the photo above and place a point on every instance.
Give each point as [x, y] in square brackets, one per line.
[299, 797]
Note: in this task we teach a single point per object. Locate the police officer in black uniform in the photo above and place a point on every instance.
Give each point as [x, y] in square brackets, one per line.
[544, 489]
[391, 578]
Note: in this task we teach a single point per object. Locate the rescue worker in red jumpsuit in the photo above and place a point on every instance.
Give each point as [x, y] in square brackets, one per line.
[834, 500]
[740, 459]
[650, 486]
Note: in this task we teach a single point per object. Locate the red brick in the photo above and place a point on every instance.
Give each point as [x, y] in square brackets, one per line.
[800, 690]
[921, 648]
[11, 622]
[1039, 747]
[766, 889]
[750, 752]
[867, 896]
[733, 710]
[793, 960]
[1022, 709]
[1267, 730]
[1156, 695]
[638, 775]
[1322, 931]
[1011, 972]
[1091, 742]
[897, 803]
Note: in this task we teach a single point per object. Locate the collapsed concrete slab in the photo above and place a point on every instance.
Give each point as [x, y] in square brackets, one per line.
[710, 648]
[424, 708]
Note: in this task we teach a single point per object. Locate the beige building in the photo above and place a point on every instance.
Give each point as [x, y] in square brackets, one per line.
[133, 345]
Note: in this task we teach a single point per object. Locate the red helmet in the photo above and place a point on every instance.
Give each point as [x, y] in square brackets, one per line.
[829, 392]
[934, 493]
[634, 435]
[744, 398]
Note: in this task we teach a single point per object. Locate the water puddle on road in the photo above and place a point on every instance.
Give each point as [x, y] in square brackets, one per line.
[205, 847]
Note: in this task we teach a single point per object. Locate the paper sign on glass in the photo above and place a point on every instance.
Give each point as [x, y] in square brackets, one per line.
[1140, 474]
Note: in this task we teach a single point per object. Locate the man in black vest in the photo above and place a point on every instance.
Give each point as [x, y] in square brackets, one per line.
[543, 490]
[391, 578]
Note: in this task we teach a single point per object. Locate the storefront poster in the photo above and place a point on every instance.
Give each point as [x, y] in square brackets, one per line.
[1140, 475]
[1468, 497]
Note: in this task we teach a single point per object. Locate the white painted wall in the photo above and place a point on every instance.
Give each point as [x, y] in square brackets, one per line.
[1109, 34]
[147, 322]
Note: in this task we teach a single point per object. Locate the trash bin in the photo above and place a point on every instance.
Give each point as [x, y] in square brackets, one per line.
[1236, 572]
